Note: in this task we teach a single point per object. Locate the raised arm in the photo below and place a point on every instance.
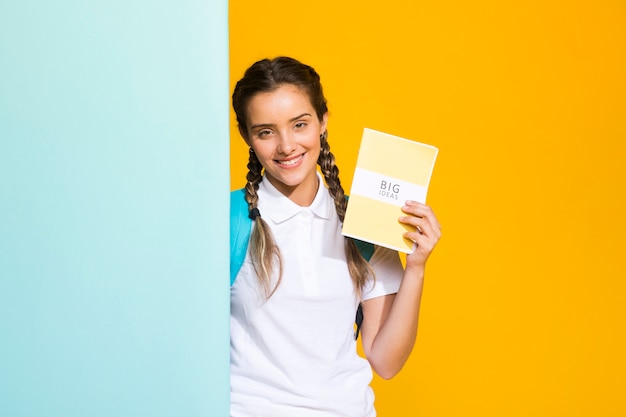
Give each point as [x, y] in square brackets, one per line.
[390, 322]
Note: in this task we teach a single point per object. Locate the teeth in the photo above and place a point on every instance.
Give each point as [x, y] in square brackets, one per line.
[291, 162]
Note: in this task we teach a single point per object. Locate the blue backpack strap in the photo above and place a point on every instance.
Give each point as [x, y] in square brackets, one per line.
[240, 227]
[367, 250]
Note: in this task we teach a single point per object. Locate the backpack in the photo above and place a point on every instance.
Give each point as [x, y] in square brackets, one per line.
[240, 229]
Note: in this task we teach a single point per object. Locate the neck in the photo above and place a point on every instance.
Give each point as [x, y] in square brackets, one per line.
[303, 194]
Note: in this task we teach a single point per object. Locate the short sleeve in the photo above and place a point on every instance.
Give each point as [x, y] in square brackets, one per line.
[389, 271]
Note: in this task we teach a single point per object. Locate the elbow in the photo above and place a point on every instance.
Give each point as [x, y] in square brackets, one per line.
[385, 363]
[387, 370]
[387, 375]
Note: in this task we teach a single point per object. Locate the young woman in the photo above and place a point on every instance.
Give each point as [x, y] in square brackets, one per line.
[293, 303]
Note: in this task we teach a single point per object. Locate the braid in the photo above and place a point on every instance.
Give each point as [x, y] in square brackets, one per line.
[254, 177]
[330, 171]
[264, 252]
[359, 268]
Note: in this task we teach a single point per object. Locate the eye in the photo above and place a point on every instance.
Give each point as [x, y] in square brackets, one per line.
[300, 125]
[264, 133]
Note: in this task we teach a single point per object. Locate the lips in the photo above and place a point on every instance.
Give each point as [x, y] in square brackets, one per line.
[290, 162]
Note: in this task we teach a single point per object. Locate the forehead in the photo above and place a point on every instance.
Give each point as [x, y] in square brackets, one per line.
[284, 102]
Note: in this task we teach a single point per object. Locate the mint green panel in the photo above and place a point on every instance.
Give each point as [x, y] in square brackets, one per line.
[114, 188]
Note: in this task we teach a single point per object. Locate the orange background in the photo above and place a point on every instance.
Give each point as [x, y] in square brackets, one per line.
[524, 311]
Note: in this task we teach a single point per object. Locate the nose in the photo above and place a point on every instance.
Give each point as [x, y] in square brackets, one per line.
[287, 144]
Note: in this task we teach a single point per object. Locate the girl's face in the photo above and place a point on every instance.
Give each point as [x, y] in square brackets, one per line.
[284, 132]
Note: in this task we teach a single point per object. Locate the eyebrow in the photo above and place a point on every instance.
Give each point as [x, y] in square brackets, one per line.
[293, 119]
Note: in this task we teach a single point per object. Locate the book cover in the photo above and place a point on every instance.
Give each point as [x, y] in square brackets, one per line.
[389, 171]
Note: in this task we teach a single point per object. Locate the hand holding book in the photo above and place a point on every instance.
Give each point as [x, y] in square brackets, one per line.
[426, 234]
[390, 172]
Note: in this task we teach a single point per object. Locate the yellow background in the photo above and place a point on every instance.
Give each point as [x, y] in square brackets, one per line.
[524, 312]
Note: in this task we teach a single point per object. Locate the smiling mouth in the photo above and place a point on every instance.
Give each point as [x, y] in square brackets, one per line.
[291, 161]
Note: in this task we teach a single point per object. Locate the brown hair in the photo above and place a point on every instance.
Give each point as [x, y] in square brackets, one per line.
[265, 76]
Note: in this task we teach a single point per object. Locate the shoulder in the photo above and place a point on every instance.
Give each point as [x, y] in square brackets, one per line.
[238, 208]
[388, 270]
[238, 196]
[240, 225]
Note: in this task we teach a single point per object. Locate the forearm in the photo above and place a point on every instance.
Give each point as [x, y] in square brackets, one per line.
[389, 335]
[389, 348]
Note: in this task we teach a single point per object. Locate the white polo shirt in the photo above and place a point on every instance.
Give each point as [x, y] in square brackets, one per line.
[294, 355]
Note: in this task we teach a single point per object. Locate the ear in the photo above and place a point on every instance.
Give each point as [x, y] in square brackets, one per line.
[244, 134]
[324, 123]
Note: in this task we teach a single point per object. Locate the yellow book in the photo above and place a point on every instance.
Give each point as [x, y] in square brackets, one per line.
[389, 171]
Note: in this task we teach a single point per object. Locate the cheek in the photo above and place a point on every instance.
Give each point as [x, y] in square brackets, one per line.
[263, 150]
[316, 145]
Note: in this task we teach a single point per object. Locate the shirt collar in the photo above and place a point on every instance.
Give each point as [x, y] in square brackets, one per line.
[278, 207]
